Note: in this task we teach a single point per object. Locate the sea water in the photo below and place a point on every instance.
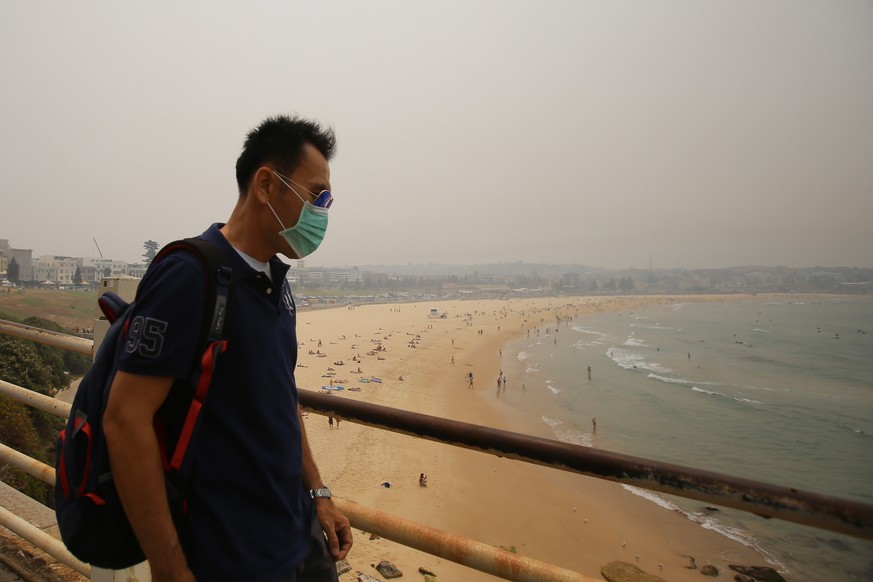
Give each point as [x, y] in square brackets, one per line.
[779, 391]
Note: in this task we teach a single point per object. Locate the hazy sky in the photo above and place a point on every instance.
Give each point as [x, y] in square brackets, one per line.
[693, 133]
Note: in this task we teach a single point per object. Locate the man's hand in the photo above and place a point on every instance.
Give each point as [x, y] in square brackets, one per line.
[336, 526]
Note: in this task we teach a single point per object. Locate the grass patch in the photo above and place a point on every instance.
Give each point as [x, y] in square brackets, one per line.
[67, 308]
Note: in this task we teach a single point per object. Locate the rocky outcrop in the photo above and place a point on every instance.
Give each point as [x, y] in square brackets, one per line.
[709, 570]
[759, 573]
[625, 572]
[388, 570]
[342, 567]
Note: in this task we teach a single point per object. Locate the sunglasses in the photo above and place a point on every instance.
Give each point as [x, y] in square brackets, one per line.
[323, 199]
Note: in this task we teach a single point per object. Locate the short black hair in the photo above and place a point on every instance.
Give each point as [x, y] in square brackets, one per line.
[279, 141]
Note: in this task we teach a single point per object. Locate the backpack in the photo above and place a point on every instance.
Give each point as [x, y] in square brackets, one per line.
[90, 516]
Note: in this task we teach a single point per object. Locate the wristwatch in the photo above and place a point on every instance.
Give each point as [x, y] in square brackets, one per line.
[320, 492]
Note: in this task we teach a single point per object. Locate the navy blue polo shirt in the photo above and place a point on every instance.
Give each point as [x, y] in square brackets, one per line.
[248, 511]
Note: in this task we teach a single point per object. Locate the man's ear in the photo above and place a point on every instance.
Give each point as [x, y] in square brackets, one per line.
[263, 185]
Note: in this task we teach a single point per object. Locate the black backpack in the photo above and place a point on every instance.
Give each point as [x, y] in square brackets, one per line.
[90, 517]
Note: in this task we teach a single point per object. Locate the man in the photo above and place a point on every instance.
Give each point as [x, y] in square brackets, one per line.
[254, 491]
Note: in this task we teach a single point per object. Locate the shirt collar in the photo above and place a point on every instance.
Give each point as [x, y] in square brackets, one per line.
[239, 266]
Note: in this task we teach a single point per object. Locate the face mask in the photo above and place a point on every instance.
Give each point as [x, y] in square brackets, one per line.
[305, 236]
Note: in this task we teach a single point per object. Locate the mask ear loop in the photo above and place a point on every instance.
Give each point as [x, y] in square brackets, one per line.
[290, 187]
[270, 206]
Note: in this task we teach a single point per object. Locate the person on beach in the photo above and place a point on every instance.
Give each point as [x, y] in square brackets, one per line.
[593, 424]
[256, 506]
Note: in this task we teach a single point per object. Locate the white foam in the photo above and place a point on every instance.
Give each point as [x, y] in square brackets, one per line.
[713, 393]
[669, 380]
[634, 342]
[630, 360]
[522, 356]
[581, 345]
[709, 522]
[761, 330]
[657, 326]
[552, 422]
[588, 330]
[598, 340]
[566, 433]
[645, 494]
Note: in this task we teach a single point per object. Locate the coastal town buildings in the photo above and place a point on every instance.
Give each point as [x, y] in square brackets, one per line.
[492, 280]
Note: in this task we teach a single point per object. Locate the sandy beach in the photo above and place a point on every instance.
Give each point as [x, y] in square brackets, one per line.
[576, 522]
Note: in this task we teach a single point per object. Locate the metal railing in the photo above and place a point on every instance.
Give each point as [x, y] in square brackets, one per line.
[763, 499]
[477, 555]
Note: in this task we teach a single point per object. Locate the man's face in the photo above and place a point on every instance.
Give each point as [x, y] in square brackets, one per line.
[311, 177]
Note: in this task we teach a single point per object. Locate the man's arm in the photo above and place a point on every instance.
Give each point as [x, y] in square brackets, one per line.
[335, 524]
[136, 468]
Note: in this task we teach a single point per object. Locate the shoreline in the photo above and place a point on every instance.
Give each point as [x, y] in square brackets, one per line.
[543, 513]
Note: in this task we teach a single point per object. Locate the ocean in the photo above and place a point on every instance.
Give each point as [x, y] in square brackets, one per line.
[779, 391]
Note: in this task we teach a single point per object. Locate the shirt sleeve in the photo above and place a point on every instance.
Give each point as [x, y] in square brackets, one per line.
[164, 326]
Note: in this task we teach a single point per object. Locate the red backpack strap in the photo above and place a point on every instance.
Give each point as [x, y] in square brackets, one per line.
[207, 368]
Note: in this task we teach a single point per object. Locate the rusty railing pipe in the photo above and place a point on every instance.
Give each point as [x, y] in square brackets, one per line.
[483, 557]
[35, 399]
[763, 499]
[27, 464]
[54, 339]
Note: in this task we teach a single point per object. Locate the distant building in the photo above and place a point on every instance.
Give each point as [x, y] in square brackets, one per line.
[104, 267]
[24, 258]
[56, 269]
[136, 270]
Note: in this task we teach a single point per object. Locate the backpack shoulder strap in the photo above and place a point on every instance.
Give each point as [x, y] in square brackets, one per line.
[218, 284]
[213, 332]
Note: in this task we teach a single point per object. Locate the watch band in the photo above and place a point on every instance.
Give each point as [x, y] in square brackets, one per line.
[320, 492]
